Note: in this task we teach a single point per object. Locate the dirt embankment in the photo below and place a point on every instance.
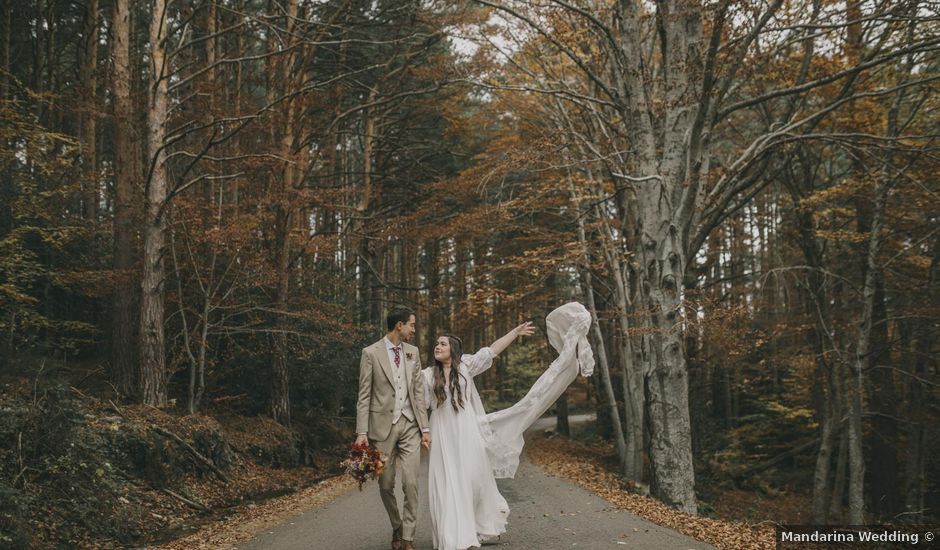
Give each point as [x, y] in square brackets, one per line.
[77, 471]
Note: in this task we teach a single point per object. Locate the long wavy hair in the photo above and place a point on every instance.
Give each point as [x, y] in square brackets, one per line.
[456, 394]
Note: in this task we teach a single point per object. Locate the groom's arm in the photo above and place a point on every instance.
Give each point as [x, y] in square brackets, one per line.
[365, 396]
[421, 407]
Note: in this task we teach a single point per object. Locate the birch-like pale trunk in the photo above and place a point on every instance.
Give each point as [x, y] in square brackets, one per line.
[600, 350]
[669, 158]
[856, 388]
[863, 349]
[196, 365]
[663, 263]
[632, 370]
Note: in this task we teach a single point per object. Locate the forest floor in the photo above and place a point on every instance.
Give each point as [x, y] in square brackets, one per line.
[80, 471]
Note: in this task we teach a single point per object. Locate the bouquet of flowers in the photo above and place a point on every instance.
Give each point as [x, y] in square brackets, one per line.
[363, 462]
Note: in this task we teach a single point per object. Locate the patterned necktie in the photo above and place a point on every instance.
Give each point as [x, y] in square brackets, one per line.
[397, 356]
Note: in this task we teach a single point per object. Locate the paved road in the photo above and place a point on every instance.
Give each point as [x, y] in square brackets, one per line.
[549, 422]
[546, 513]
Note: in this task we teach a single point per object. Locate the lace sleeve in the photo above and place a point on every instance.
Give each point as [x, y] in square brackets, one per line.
[478, 362]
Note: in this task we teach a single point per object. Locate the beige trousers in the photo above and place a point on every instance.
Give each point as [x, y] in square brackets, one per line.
[403, 446]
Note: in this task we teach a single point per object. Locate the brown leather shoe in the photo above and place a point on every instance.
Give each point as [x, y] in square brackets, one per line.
[407, 545]
[396, 539]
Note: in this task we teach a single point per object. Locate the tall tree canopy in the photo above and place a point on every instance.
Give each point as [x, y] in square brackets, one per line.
[224, 198]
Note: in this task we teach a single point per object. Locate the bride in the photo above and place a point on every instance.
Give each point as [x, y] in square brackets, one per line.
[470, 448]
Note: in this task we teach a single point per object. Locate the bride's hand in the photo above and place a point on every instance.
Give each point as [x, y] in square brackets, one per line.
[525, 329]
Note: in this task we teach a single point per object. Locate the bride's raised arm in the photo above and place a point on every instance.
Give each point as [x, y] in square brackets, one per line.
[525, 329]
[483, 359]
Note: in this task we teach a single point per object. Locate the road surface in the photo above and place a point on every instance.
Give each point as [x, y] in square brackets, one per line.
[546, 513]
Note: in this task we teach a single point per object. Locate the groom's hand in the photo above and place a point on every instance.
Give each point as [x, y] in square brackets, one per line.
[362, 439]
[426, 440]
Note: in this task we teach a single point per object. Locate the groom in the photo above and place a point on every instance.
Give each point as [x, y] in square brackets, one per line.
[392, 416]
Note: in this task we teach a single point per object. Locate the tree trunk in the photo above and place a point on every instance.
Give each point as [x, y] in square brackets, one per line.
[153, 383]
[365, 258]
[668, 151]
[698, 379]
[673, 475]
[632, 370]
[38, 84]
[631, 434]
[604, 405]
[838, 481]
[199, 390]
[124, 337]
[917, 435]
[5, 43]
[634, 406]
[284, 221]
[821, 476]
[191, 404]
[600, 350]
[885, 482]
[885, 485]
[561, 415]
[280, 375]
[866, 348]
[88, 86]
[856, 451]
[434, 307]
[827, 391]
[461, 255]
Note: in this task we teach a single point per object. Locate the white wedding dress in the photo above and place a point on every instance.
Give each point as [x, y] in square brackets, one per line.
[470, 449]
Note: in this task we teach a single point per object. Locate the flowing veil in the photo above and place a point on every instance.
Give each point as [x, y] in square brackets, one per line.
[502, 430]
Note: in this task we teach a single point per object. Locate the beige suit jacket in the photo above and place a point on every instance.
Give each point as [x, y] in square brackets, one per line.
[376, 404]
